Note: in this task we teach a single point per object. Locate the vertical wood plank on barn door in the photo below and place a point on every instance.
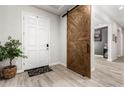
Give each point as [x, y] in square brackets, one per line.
[78, 40]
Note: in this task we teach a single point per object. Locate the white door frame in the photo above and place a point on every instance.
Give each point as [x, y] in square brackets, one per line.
[24, 13]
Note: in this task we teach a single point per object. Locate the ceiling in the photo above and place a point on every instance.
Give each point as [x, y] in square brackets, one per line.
[114, 12]
[56, 9]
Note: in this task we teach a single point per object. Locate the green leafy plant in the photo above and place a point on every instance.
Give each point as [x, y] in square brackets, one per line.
[3, 53]
[12, 48]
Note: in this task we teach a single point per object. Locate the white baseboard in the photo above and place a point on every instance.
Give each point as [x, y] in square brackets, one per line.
[58, 62]
[64, 64]
[110, 60]
[93, 69]
[55, 63]
[99, 55]
[20, 71]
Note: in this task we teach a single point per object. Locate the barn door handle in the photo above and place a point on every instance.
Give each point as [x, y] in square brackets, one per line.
[88, 48]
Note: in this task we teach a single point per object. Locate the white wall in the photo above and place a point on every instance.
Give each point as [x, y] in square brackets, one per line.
[123, 42]
[11, 24]
[63, 38]
[114, 48]
[2, 22]
[119, 43]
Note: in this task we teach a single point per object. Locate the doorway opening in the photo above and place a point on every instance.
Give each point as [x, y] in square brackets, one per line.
[101, 42]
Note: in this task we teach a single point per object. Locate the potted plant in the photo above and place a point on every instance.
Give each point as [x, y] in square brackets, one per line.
[12, 51]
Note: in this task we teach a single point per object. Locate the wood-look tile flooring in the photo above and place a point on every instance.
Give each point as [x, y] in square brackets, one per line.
[106, 74]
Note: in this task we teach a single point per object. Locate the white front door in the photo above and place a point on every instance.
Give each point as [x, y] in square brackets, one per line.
[36, 41]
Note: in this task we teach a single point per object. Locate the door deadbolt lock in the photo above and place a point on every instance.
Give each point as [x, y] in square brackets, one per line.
[47, 45]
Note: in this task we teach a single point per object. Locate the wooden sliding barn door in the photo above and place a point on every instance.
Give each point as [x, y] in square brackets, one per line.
[78, 40]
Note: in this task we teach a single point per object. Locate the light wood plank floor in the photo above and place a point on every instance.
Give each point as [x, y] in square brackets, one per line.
[106, 74]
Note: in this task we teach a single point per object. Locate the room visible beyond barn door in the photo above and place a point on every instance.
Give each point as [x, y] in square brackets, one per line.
[78, 40]
[36, 41]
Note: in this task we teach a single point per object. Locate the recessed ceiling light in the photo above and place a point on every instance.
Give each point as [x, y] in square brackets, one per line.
[121, 7]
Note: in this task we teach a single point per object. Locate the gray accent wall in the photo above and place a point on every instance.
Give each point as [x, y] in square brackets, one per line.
[99, 45]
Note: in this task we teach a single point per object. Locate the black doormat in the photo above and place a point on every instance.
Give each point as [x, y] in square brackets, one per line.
[39, 70]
